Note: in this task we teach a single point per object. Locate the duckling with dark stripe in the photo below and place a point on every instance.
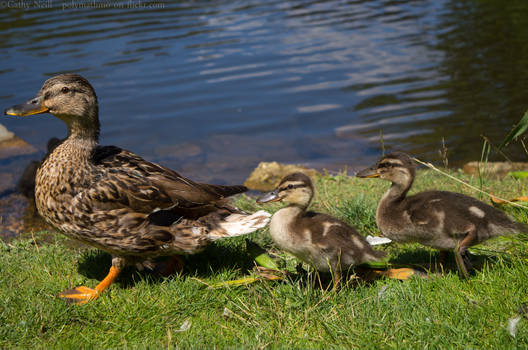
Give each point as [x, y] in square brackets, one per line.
[439, 219]
[323, 241]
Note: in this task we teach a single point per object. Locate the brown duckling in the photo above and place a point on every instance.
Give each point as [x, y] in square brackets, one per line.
[439, 219]
[321, 240]
[116, 201]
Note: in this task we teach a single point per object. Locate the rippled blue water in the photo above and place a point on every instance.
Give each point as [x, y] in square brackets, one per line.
[210, 88]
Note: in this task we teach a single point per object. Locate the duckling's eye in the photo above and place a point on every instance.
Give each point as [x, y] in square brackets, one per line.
[65, 90]
[290, 186]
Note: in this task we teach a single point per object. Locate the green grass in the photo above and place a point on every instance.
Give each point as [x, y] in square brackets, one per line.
[145, 311]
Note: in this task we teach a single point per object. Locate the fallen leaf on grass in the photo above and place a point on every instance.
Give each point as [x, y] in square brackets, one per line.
[234, 283]
[186, 325]
[512, 325]
[401, 274]
[260, 274]
[381, 292]
[383, 264]
[516, 199]
[260, 255]
[377, 240]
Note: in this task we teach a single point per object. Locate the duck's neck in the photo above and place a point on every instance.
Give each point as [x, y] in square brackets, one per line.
[83, 136]
[397, 191]
[282, 221]
[301, 202]
[295, 208]
[84, 126]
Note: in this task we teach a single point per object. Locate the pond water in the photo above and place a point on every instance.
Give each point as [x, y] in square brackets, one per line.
[210, 88]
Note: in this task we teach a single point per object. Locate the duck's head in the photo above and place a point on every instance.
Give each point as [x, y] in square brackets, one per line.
[69, 97]
[296, 189]
[396, 167]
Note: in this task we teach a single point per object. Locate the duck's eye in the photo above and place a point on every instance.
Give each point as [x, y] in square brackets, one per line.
[290, 186]
[65, 90]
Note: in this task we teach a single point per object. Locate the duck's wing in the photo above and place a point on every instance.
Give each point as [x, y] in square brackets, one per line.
[184, 192]
[135, 207]
[115, 189]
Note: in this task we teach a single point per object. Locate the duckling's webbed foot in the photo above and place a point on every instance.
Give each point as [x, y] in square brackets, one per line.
[460, 251]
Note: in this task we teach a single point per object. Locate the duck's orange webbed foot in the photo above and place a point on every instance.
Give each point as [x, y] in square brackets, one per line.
[81, 295]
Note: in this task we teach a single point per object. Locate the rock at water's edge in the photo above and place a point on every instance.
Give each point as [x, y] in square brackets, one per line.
[12, 146]
[267, 175]
[5, 134]
[498, 169]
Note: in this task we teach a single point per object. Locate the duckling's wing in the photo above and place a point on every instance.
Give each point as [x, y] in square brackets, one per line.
[331, 232]
[456, 212]
[435, 211]
[183, 192]
[421, 209]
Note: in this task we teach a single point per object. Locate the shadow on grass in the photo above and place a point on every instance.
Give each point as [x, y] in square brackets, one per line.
[218, 257]
[94, 264]
[431, 261]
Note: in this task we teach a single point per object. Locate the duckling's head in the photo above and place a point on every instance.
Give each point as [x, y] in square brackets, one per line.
[396, 167]
[296, 189]
[69, 97]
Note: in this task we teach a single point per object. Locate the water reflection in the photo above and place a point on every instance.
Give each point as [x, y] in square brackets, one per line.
[212, 88]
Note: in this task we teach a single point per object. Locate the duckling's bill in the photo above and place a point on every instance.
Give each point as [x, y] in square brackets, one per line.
[33, 106]
[269, 197]
[368, 173]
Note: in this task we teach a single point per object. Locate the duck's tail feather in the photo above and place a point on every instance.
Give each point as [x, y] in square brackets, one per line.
[239, 224]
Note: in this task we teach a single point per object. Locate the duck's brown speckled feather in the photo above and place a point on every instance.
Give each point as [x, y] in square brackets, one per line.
[126, 205]
[170, 188]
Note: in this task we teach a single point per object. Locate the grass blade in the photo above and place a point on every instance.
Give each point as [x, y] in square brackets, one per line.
[517, 131]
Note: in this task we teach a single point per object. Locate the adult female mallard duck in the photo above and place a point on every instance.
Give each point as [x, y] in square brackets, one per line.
[439, 219]
[116, 201]
[321, 240]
